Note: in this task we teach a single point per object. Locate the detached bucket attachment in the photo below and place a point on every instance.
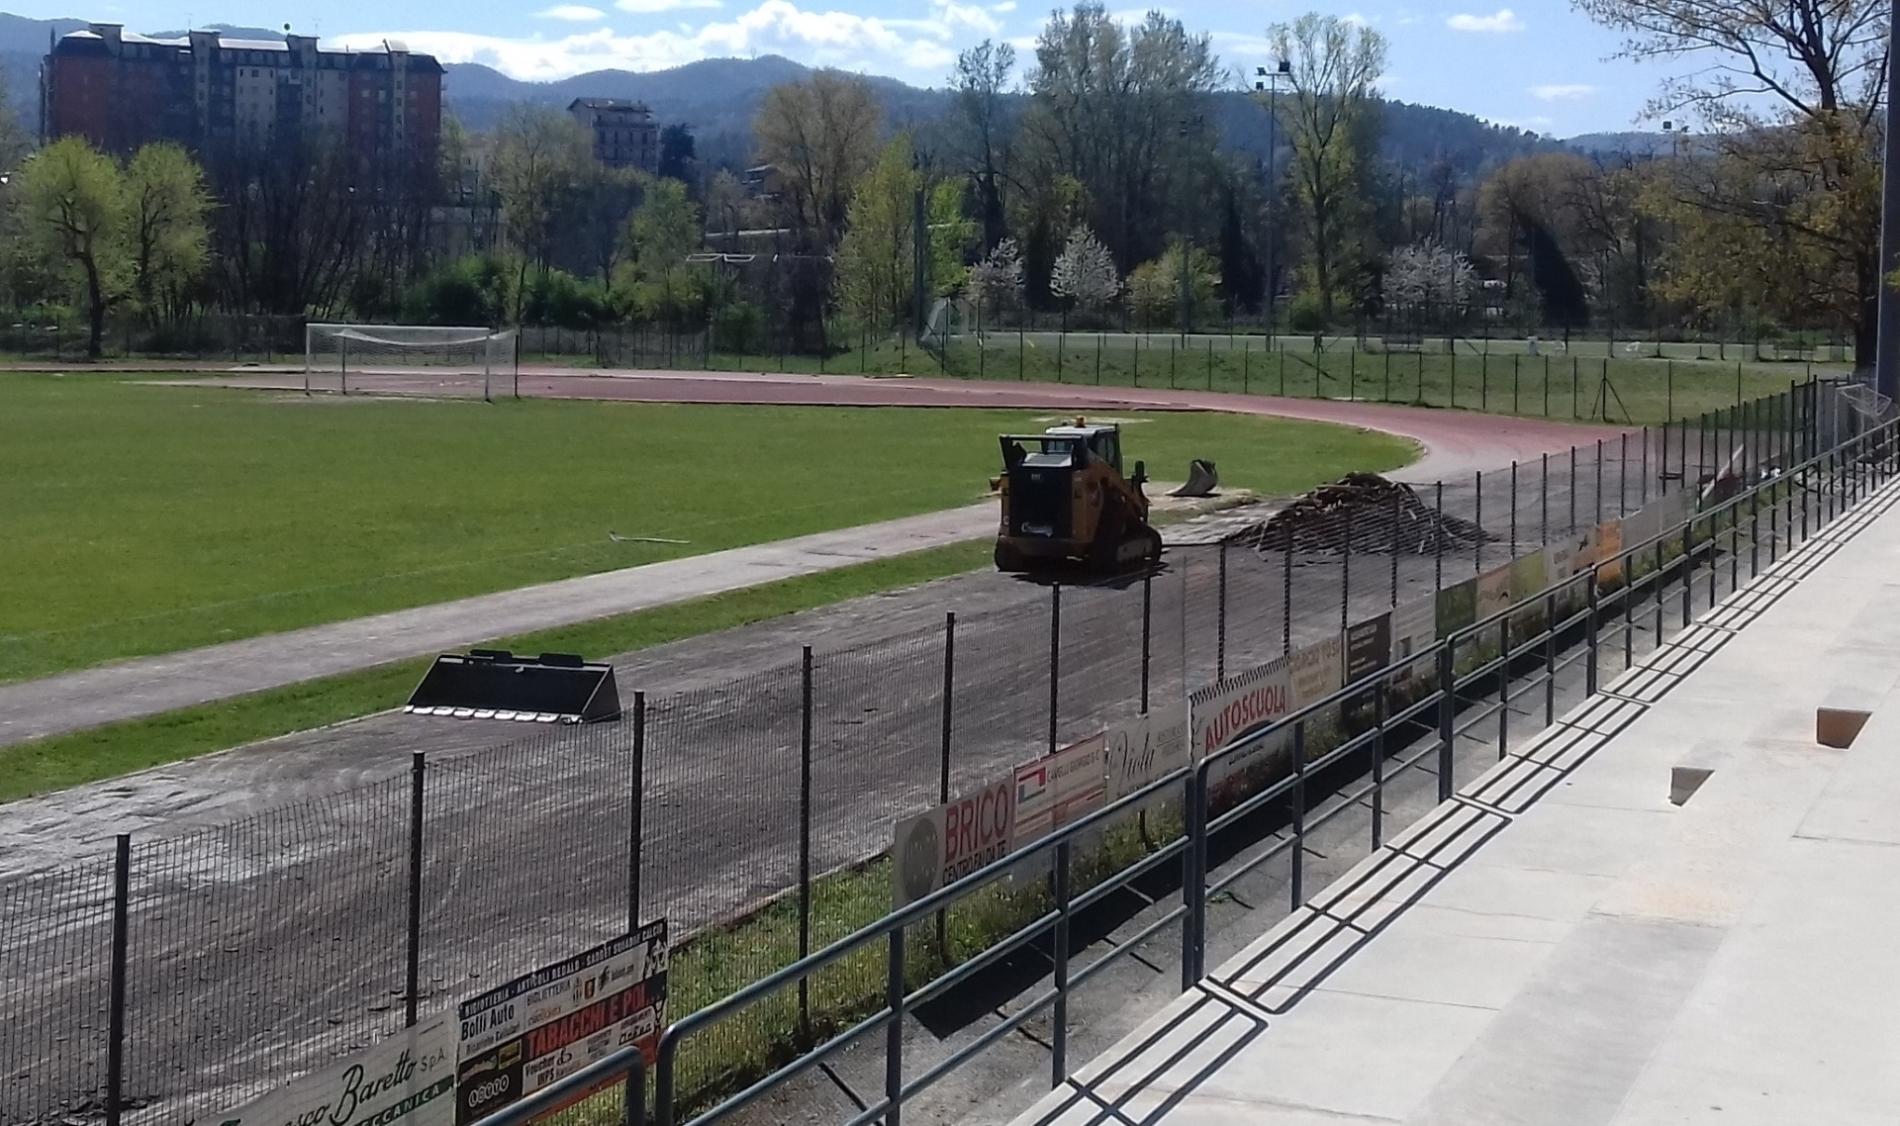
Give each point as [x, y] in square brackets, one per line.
[496, 684]
[1203, 480]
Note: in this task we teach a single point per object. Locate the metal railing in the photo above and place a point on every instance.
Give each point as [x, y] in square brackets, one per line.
[1420, 707]
[628, 1066]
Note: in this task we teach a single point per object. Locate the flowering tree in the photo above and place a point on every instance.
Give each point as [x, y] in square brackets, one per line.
[1084, 272]
[1427, 280]
[997, 281]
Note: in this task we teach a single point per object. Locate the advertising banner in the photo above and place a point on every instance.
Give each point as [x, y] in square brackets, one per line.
[1609, 548]
[1414, 629]
[1241, 704]
[406, 1080]
[1059, 788]
[1494, 591]
[1368, 649]
[1144, 748]
[1570, 554]
[1457, 607]
[951, 841]
[1319, 670]
[1640, 528]
[1528, 576]
[536, 1030]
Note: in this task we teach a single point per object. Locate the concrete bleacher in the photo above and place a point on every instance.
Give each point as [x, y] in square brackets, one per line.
[1564, 943]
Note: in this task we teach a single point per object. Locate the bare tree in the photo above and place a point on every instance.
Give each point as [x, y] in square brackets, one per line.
[822, 134]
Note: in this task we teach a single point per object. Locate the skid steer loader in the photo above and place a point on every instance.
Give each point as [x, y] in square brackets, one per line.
[1064, 500]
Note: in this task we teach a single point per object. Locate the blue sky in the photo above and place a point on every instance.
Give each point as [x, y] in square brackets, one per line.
[1532, 63]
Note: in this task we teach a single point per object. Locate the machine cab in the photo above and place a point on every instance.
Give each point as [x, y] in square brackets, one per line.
[1065, 447]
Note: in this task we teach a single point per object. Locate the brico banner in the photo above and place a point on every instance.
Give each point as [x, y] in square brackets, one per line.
[406, 1080]
[1240, 705]
[540, 1028]
[1059, 788]
[1144, 748]
[946, 844]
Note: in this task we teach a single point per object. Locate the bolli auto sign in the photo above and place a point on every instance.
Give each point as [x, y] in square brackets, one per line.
[951, 841]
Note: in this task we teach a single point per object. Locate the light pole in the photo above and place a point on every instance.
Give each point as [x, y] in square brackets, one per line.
[1269, 82]
[1887, 340]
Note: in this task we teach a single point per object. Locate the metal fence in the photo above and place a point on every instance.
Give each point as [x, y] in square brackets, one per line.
[195, 969]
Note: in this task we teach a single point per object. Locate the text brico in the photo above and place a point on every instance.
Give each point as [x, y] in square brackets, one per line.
[979, 826]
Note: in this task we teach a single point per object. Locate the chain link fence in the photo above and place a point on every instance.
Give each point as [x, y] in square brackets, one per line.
[754, 814]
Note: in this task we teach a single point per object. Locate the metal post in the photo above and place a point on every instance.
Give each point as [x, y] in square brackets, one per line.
[1220, 625]
[1055, 659]
[1059, 1033]
[1395, 547]
[1514, 510]
[1543, 503]
[1477, 548]
[1147, 633]
[1286, 593]
[1642, 479]
[1596, 490]
[894, 988]
[804, 840]
[1573, 488]
[115, 1033]
[1514, 385]
[1550, 658]
[1297, 882]
[637, 809]
[1688, 568]
[1193, 887]
[1504, 685]
[1345, 580]
[1447, 686]
[1438, 536]
[1590, 666]
[1623, 475]
[1378, 765]
[413, 984]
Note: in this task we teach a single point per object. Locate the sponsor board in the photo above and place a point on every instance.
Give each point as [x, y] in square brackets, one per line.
[406, 1080]
[1610, 551]
[1368, 649]
[1414, 630]
[1059, 788]
[542, 1027]
[1144, 748]
[1639, 528]
[1570, 554]
[1239, 705]
[1457, 607]
[951, 841]
[1528, 576]
[1494, 591]
[1318, 670]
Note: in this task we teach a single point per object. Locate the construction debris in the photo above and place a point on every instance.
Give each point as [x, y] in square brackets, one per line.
[1378, 514]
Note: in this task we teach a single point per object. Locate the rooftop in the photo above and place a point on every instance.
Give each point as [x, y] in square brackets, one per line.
[1563, 943]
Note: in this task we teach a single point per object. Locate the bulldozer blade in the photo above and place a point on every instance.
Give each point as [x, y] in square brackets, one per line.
[1203, 480]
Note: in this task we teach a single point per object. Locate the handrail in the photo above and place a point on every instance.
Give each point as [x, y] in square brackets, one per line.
[1432, 669]
[628, 1063]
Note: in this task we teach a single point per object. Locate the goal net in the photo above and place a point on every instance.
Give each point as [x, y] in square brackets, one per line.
[409, 359]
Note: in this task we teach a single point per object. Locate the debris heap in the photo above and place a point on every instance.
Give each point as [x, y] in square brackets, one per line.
[1376, 512]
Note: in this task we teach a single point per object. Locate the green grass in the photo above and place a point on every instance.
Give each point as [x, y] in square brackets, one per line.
[146, 519]
[1641, 390]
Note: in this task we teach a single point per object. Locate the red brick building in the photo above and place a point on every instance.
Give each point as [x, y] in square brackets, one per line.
[121, 90]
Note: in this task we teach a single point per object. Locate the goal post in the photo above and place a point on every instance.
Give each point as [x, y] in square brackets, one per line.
[410, 359]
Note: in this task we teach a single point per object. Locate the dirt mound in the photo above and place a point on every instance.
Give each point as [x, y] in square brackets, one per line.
[1377, 513]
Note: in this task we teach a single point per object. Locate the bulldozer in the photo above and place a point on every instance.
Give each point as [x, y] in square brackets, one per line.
[1065, 501]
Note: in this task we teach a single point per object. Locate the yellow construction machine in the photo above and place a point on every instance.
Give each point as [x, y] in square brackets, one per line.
[1064, 500]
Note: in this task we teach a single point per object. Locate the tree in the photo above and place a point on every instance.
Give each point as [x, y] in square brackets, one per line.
[1426, 283]
[661, 233]
[1123, 112]
[822, 135]
[1335, 66]
[1792, 91]
[1154, 289]
[75, 201]
[877, 257]
[983, 129]
[166, 225]
[997, 281]
[677, 152]
[540, 156]
[1084, 273]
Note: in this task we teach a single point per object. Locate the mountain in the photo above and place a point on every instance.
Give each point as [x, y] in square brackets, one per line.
[1632, 143]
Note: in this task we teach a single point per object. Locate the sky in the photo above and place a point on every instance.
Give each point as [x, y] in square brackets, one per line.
[1535, 64]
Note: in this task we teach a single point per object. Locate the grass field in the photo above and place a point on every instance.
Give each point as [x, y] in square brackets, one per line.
[147, 519]
[1636, 391]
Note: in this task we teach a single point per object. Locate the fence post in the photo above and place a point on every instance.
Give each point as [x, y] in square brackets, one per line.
[115, 1034]
[1513, 511]
[1059, 1019]
[1147, 633]
[1345, 580]
[804, 838]
[1643, 477]
[1055, 659]
[636, 820]
[1550, 657]
[1504, 685]
[894, 989]
[1688, 567]
[1395, 547]
[1514, 368]
[1220, 624]
[1297, 882]
[1596, 490]
[1447, 686]
[1484, 381]
[416, 771]
[1193, 887]
[1477, 549]
[1378, 764]
[1573, 489]
[1543, 485]
[1286, 593]
[1590, 666]
[1438, 536]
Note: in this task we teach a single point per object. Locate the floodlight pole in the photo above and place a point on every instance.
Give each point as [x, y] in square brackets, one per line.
[1887, 340]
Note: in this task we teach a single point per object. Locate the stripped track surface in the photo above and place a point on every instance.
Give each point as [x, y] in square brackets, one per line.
[1456, 443]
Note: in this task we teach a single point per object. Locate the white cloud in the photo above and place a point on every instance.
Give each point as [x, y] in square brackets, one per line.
[1003, 9]
[965, 17]
[1502, 20]
[1357, 19]
[1562, 91]
[572, 13]
[651, 7]
[1533, 124]
[918, 48]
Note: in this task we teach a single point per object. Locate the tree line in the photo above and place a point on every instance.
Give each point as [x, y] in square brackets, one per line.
[1084, 178]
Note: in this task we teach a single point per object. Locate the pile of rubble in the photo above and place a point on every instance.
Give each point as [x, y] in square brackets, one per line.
[1376, 512]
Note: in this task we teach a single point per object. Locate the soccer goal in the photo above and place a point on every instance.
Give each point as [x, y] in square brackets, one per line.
[410, 359]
